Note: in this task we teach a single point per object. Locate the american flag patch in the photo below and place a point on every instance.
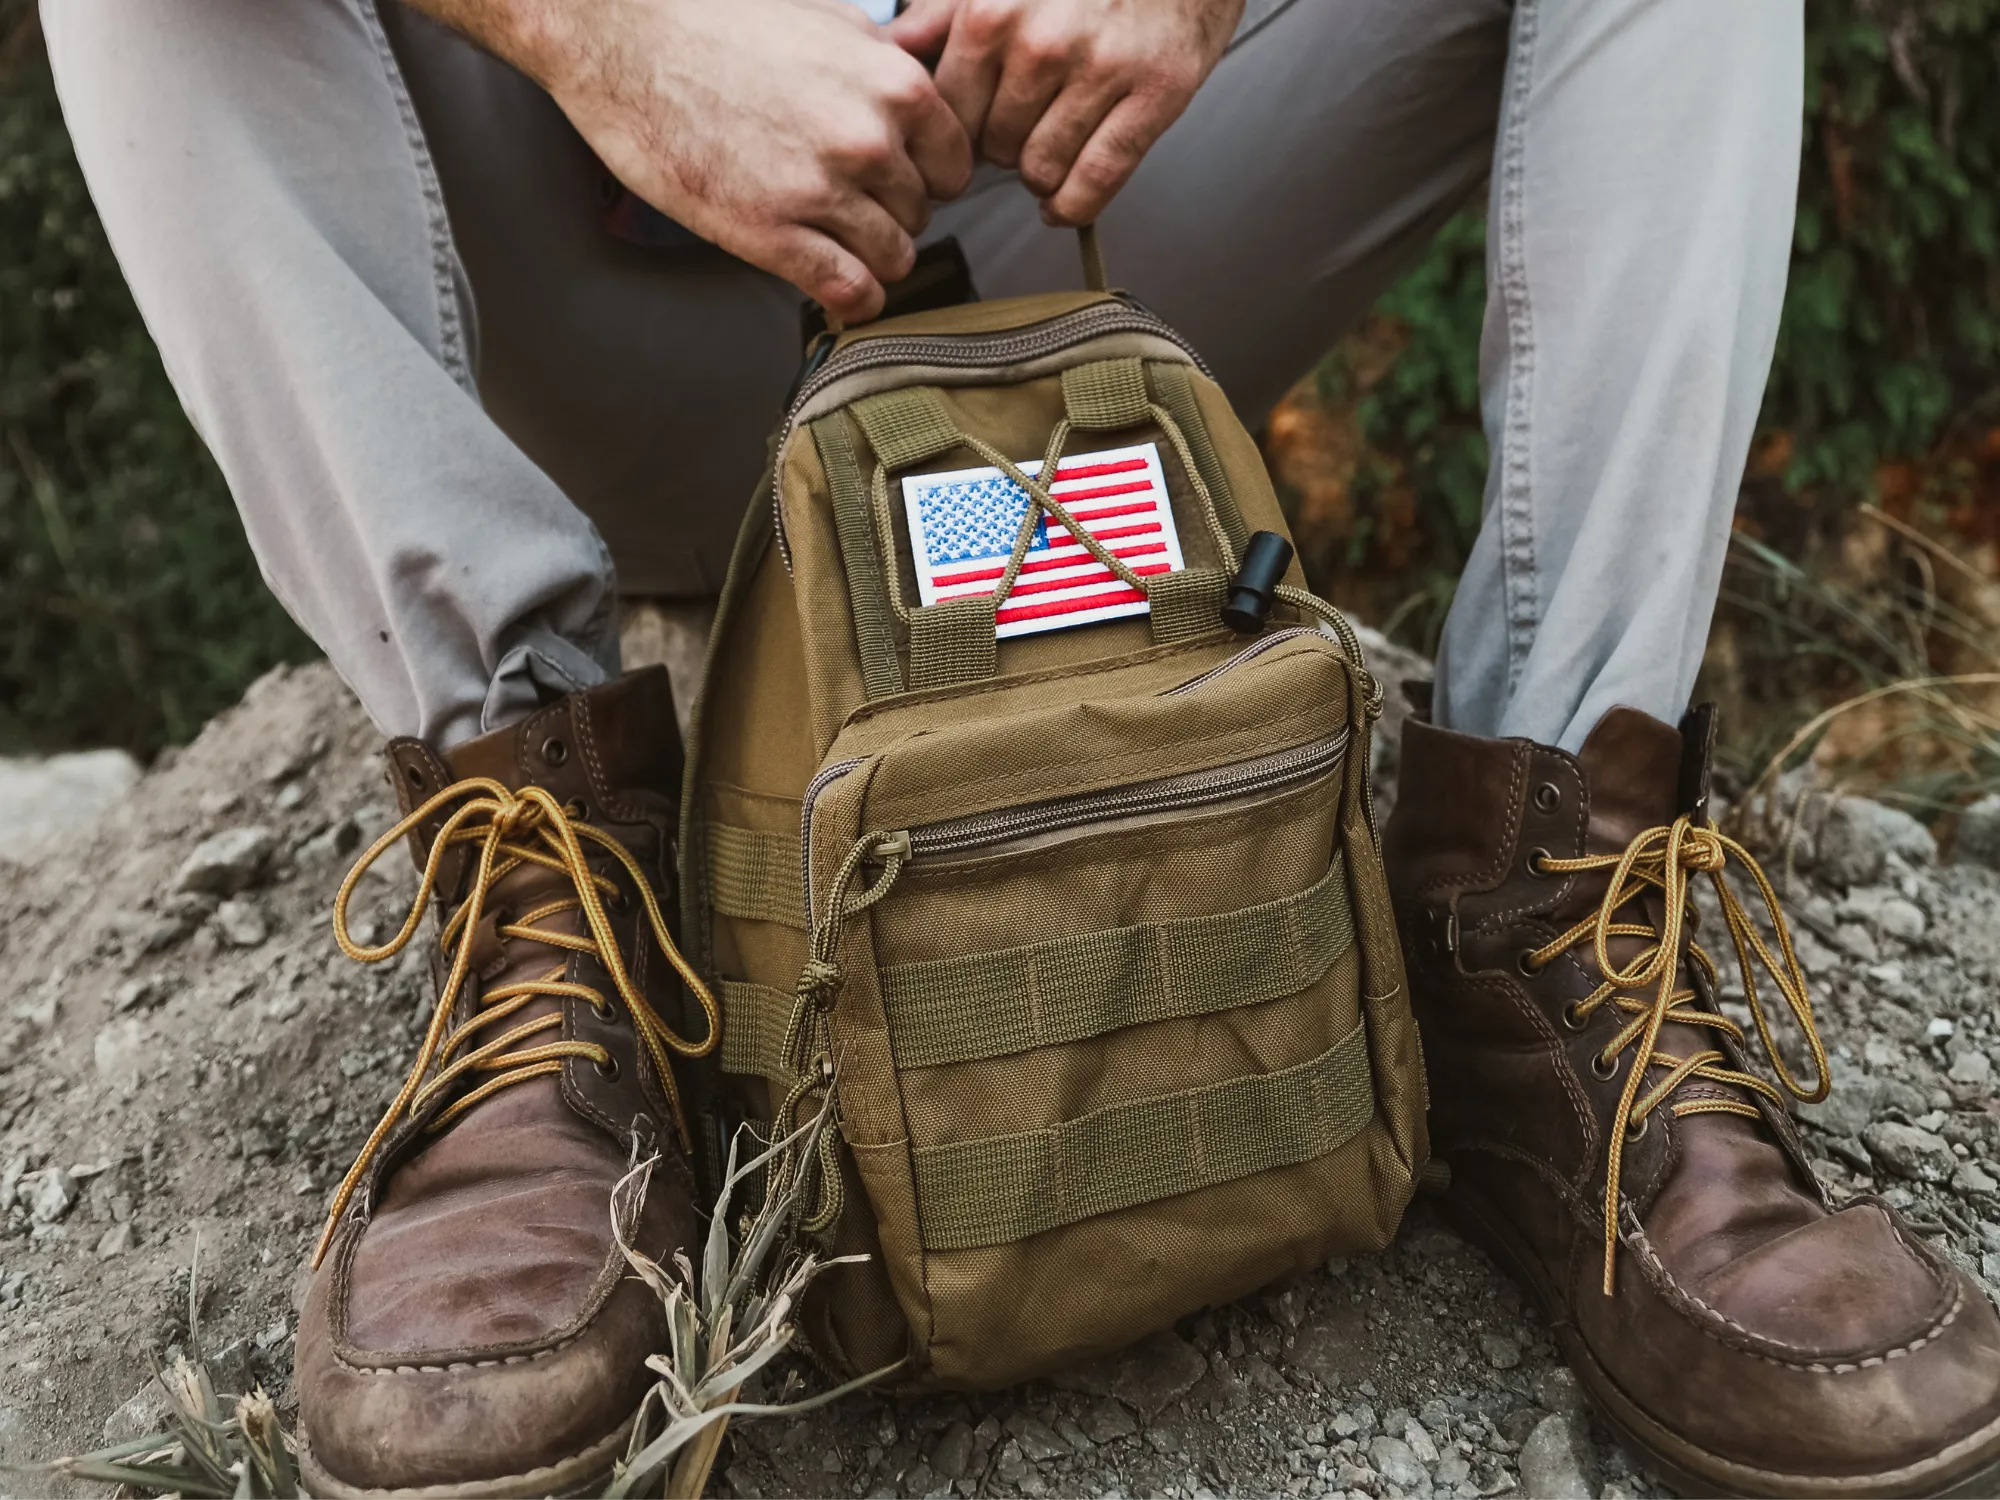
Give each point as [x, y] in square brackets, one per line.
[963, 524]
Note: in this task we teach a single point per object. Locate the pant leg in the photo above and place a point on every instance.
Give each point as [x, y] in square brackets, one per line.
[262, 176]
[1640, 226]
[1328, 145]
[643, 381]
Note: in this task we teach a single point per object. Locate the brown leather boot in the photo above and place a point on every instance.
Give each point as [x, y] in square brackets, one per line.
[1740, 1333]
[473, 1329]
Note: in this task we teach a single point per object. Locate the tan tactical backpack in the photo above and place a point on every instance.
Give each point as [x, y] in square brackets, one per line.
[1074, 898]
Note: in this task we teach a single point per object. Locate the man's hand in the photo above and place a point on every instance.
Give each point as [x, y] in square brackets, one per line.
[1073, 92]
[789, 132]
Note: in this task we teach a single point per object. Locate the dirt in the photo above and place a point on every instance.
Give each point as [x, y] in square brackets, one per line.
[195, 1068]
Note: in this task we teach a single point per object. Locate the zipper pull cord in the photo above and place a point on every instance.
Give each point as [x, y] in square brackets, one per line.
[808, 1045]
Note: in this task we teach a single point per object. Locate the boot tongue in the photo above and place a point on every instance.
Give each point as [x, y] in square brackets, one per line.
[1632, 765]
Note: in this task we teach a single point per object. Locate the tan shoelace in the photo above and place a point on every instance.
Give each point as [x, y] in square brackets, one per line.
[512, 829]
[1666, 859]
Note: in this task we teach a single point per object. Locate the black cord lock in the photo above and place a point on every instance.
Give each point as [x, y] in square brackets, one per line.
[1254, 588]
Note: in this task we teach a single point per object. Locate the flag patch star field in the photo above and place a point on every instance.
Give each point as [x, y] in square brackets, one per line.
[963, 524]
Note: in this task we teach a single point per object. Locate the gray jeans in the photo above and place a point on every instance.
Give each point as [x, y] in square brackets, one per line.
[446, 402]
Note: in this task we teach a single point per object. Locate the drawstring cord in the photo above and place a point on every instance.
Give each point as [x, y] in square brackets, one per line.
[808, 1045]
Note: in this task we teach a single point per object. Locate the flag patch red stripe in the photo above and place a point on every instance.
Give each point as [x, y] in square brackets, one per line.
[1067, 606]
[1044, 564]
[1093, 471]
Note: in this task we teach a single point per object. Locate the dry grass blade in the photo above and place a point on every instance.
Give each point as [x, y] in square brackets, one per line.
[724, 1331]
[204, 1451]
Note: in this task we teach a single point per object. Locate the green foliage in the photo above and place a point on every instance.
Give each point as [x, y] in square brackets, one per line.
[130, 608]
[1892, 319]
[1890, 342]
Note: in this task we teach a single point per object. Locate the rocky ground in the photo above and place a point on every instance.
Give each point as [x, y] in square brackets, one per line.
[186, 1061]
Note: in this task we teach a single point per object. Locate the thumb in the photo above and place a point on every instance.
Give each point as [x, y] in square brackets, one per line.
[921, 30]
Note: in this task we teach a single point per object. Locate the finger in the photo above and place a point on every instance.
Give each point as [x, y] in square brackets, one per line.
[921, 30]
[865, 229]
[1034, 75]
[969, 71]
[1059, 136]
[895, 183]
[1108, 159]
[939, 149]
[824, 270]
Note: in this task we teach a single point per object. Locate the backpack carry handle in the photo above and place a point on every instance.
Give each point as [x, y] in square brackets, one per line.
[1094, 278]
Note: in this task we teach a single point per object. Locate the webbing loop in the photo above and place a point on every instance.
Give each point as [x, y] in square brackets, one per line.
[1069, 989]
[1006, 1188]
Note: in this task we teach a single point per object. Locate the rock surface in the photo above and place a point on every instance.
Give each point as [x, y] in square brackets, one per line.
[162, 1083]
[43, 798]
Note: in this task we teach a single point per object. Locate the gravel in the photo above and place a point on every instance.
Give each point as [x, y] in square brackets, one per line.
[227, 862]
[1978, 839]
[188, 1086]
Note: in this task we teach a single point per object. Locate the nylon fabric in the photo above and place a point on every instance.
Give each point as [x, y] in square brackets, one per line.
[1105, 395]
[1175, 387]
[1073, 988]
[873, 639]
[953, 642]
[754, 1017]
[906, 427]
[755, 875]
[1008, 1188]
[1186, 603]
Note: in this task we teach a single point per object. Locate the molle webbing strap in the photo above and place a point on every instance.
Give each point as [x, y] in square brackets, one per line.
[1176, 391]
[906, 427]
[874, 641]
[1003, 1189]
[755, 875]
[754, 1018]
[1106, 394]
[953, 642]
[1070, 989]
[1187, 603]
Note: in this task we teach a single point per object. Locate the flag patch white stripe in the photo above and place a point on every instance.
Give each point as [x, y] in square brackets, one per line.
[963, 524]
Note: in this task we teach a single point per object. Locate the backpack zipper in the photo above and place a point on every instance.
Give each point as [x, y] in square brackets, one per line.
[972, 350]
[1248, 653]
[1267, 775]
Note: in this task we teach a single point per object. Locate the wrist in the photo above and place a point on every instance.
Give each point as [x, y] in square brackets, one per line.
[540, 38]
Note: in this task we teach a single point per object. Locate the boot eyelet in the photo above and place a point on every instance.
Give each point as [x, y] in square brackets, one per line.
[1637, 1132]
[1526, 965]
[555, 750]
[1603, 1069]
[577, 810]
[414, 773]
[1573, 1016]
[1538, 864]
[1548, 797]
[607, 1070]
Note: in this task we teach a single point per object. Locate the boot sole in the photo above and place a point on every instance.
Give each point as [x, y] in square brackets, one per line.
[582, 1474]
[1968, 1468]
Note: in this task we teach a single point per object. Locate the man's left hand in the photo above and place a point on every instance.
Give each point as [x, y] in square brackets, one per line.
[1071, 92]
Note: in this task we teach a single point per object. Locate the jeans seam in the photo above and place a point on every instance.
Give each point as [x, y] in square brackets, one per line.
[444, 250]
[1516, 510]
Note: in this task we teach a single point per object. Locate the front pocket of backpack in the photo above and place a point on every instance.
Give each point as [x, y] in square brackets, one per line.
[1119, 1016]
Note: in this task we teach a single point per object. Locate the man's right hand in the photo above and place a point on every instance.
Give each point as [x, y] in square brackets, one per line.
[789, 132]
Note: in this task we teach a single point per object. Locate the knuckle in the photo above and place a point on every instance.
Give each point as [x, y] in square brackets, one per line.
[984, 22]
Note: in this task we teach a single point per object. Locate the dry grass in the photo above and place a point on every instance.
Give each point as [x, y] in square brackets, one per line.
[728, 1327]
[208, 1448]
